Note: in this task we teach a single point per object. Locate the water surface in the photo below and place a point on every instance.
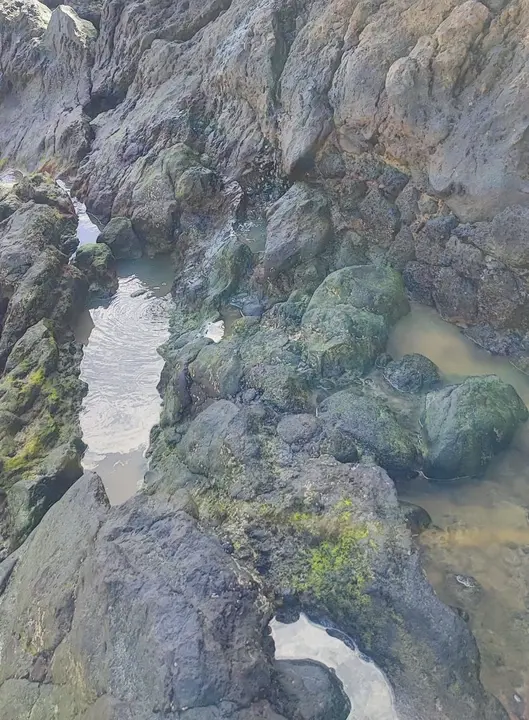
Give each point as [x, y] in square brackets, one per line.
[366, 686]
[483, 524]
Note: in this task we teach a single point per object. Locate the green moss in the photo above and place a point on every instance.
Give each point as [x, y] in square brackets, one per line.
[337, 570]
[34, 448]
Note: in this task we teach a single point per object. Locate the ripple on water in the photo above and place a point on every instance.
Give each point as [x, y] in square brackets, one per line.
[122, 368]
[482, 525]
[365, 684]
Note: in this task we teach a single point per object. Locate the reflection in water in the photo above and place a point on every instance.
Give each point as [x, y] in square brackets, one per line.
[122, 369]
[482, 525]
[88, 229]
[366, 686]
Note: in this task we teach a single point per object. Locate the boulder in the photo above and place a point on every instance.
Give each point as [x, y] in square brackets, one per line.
[308, 691]
[347, 320]
[185, 628]
[363, 425]
[466, 425]
[412, 374]
[294, 429]
[120, 237]
[98, 264]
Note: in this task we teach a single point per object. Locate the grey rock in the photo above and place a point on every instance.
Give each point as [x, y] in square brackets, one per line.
[97, 263]
[310, 691]
[297, 428]
[299, 228]
[356, 424]
[467, 425]
[120, 237]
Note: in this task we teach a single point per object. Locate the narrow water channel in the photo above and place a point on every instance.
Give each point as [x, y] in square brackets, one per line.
[477, 554]
[122, 368]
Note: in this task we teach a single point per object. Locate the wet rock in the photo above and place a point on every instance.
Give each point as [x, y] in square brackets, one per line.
[217, 369]
[98, 264]
[361, 424]
[309, 691]
[231, 263]
[40, 437]
[299, 227]
[467, 425]
[412, 374]
[417, 518]
[202, 443]
[380, 215]
[455, 297]
[120, 237]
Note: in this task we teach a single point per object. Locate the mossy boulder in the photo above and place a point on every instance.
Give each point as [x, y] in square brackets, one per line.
[202, 444]
[120, 237]
[97, 262]
[466, 425]
[412, 374]
[362, 425]
[348, 318]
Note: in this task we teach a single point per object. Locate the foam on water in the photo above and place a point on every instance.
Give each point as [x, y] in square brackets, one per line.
[365, 684]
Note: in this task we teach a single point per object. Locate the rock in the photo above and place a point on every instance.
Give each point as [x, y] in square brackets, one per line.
[309, 691]
[347, 320]
[218, 370]
[203, 441]
[417, 518]
[356, 424]
[380, 215]
[208, 654]
[87, 9]
[297, 428]
[40, 437]
[120, 237]
[299, 227]
[97, 262]
[231, 263]
[467, 425]
[412, 373]
[46, 65]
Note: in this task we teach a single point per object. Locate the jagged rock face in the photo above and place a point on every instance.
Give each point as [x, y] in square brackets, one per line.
[40, 391]
[322, 91]
[46, 59]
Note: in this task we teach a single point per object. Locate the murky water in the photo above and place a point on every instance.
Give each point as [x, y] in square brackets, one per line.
[366, 686]
[483, 524]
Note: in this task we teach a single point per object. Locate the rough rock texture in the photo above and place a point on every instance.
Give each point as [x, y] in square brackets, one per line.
[412, 373]
[40, 392]
[321, 94]
[97, 262]
[466, 425]
[138, 613]
[120, 237]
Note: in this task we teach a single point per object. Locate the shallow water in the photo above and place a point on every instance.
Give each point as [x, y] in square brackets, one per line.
[483, 524]
[122, 368]
[366, 686]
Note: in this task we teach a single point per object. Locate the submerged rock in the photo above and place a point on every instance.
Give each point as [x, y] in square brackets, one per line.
[467, 425]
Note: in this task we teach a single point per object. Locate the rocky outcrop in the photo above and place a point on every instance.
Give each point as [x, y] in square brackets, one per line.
[184, 627]
[40, 390]
[97, 262]
[391, 117]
